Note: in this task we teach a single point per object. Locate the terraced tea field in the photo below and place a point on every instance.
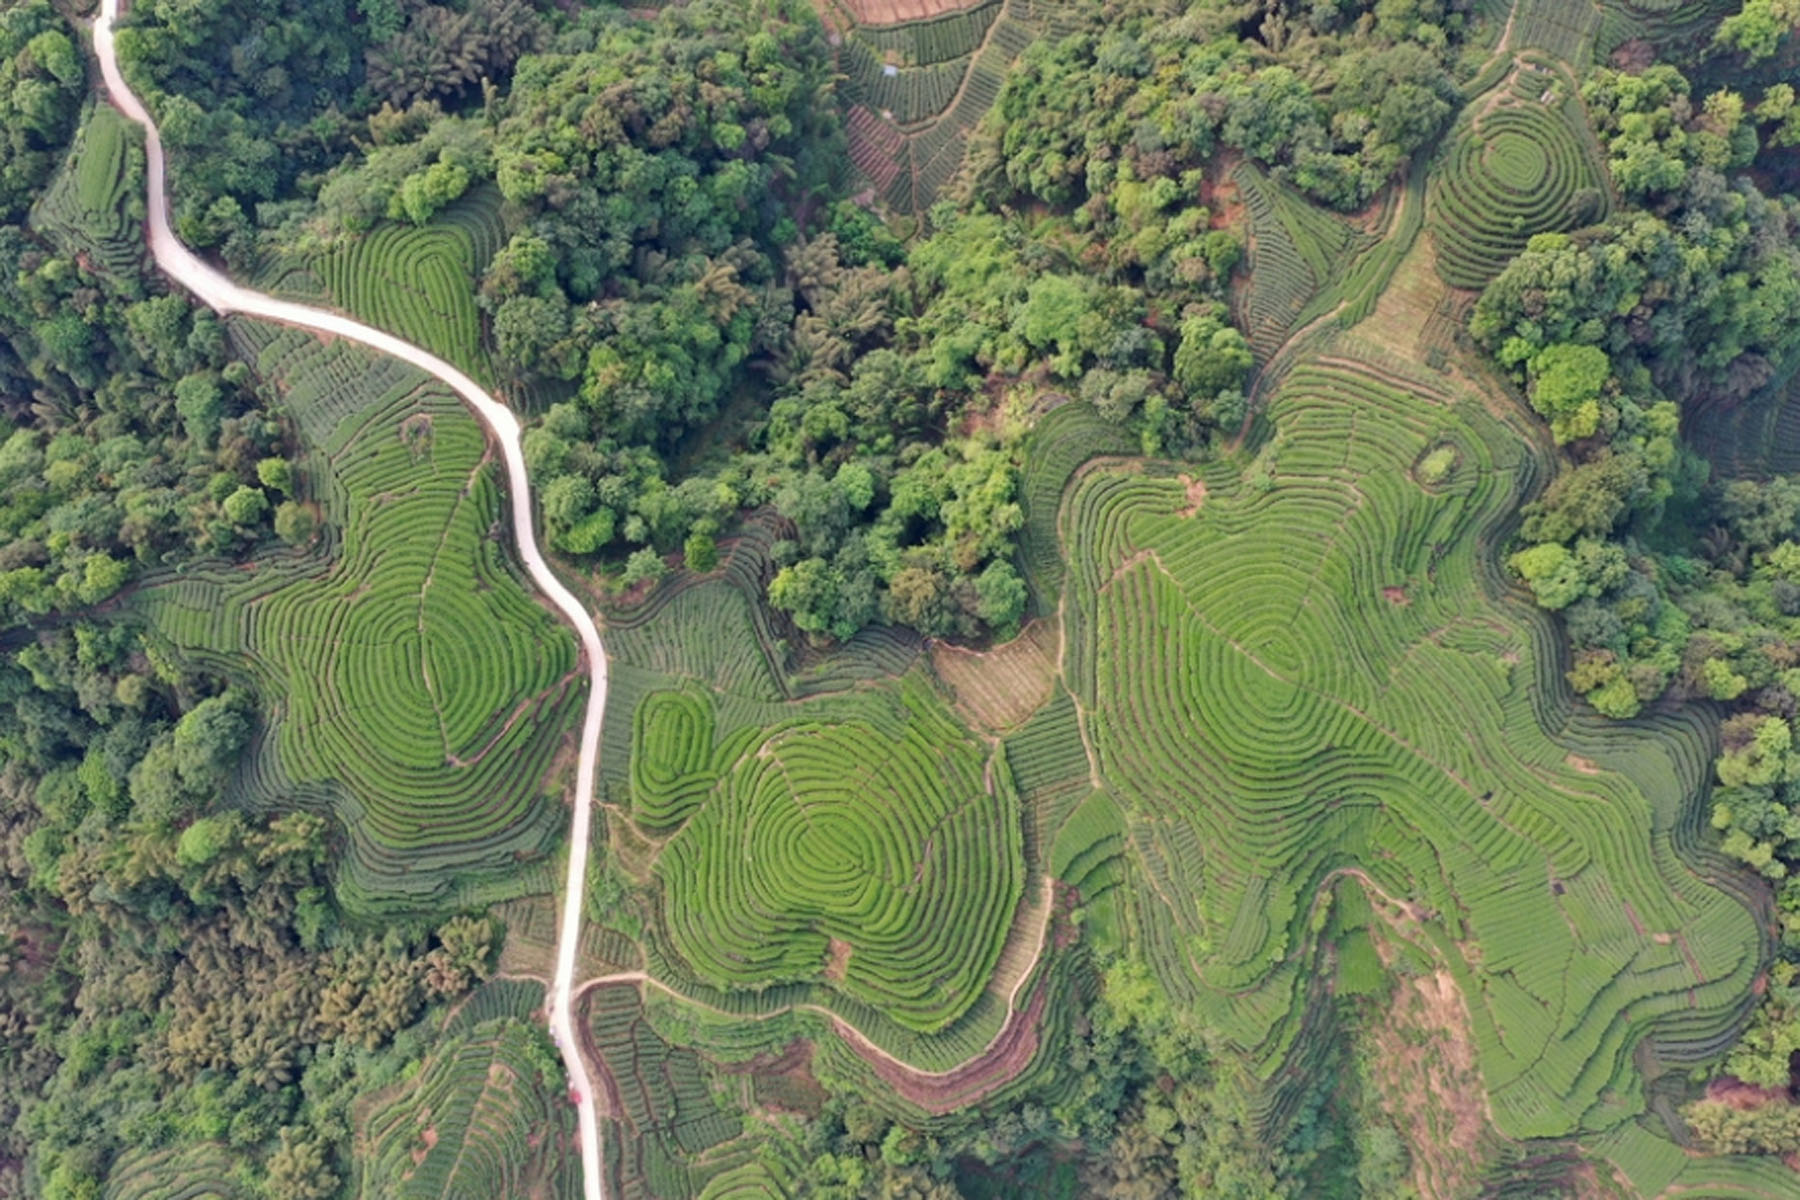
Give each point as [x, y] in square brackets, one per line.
[483, 1116]
[874, 848]
[919, 75]
[659, 1099]
[94, 208]
[1280, 695]
[1313, 673]
[1519, 163]
[204, 1171]
[412, 684]
[414, 281]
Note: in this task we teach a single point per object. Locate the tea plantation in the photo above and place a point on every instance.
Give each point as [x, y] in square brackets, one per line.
[414, 687]
[1280, 731]
[1311, 674]
[484, 1116]
[881, 851]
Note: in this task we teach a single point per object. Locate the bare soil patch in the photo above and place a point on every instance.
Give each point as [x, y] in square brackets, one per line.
[1196, 494]
[1430, 1085]
[837, 959]
[1396, 595]
[1065, 932]
[893, 12]
[1586, 766]
[1221, 195]
[998, 689]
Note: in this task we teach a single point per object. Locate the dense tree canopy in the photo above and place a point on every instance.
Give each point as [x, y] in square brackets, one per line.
[1353, 92]
[41, 81]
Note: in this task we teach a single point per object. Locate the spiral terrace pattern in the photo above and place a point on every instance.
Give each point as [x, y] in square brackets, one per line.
[222, 294]
[414, 685]
[1510, 173]
[891, 840]
[1308, 675]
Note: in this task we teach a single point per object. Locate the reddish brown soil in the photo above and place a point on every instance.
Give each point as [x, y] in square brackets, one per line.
[1586, 766]
[837, 958]
[939, 1093]
[1395, 595]
[1219, 194]
[1000, 688]
[1634, 57]
[1196, 494]
[1428, 1076]
[1745, 1097]
[893, 12]
[876, 146]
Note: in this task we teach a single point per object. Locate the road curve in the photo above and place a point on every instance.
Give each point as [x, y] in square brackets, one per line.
[224, 295]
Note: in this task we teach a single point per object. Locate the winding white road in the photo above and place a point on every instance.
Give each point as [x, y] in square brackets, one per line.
[225, 296]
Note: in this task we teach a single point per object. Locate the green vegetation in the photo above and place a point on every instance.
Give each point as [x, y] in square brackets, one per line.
[1519, 168]
[94, 208]
[668, 1118]
[882, 853]
[201, 1172]
[1144, 98]
[1127, 678]
[127, 429]
[1297, 252]
[483, 1116]
[225, 1028]
[41, 81]
[1286, 759]
[916, 91]
[413, 685]
[416, 280]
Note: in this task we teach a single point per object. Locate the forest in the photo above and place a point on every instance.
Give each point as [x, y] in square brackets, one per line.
[772, 421]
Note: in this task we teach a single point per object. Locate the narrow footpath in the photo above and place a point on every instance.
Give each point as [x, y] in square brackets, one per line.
[225, 296]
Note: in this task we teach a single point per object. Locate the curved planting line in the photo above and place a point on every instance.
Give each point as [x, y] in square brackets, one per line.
[882, 853]
[1514, 171]
[1269, 698]
[225, 296]
[986, 1069]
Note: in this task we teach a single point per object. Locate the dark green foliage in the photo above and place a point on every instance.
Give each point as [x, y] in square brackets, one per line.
[614, 153]
[127, 433]
[186, 964]
[1155, 96]
[440, 52]
[248, 96]
[1708, 286]
[41, 81]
